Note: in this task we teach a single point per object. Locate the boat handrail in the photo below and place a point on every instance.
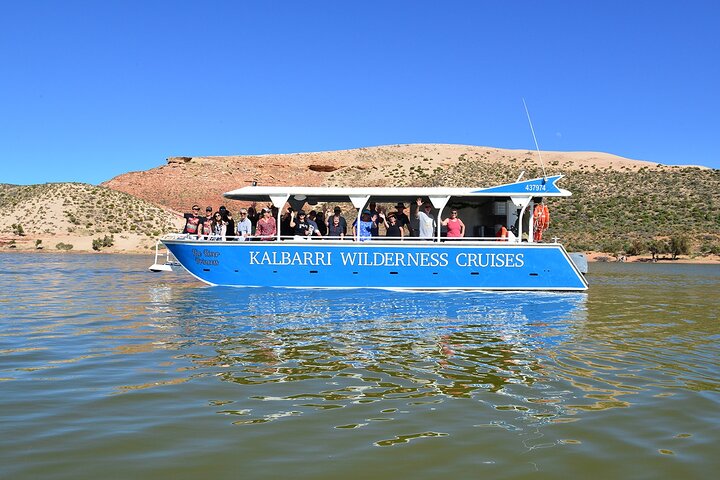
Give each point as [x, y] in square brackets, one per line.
[348, 238]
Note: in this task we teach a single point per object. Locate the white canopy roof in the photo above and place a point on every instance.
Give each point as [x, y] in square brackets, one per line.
[540, 187]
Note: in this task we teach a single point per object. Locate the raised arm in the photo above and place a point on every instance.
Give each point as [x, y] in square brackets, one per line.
[416, 213]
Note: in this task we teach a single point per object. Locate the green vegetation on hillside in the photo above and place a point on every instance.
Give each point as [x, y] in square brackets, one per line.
[658, 210]
[617, 211]
[80, 209]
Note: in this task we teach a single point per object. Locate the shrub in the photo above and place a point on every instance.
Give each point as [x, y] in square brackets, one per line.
[637, 247]
[64, 246]
[612, 246]
[679, 245]
[99, 243]
[657, 247]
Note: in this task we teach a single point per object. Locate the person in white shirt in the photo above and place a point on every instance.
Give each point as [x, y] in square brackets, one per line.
[244, 226]
[426, 228]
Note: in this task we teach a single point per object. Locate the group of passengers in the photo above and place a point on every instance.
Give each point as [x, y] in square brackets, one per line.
[253, 225]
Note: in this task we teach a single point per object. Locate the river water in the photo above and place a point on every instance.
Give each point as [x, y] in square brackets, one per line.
[109, 371]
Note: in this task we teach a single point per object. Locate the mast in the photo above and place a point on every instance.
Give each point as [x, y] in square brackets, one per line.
[542, 164]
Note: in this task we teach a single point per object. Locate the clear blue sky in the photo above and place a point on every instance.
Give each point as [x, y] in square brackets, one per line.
[92, 89]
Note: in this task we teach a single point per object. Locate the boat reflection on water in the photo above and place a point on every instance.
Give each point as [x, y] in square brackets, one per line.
[413, 345]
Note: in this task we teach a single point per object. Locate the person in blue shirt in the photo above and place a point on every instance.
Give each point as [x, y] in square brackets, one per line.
[363, 229]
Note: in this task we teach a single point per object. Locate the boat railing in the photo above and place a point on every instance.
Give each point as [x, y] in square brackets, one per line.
[348, 238]
[165, 265]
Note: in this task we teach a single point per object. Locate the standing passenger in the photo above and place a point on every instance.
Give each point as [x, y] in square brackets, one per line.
[206, 227]
[314, 230]
[335, 228]
[392, 227]
[402, 218]
[266, 228]
[363, 228]
[455, 226]
[300, 225]
[414, 225]
[338, 215]
[244, 226]
[230, 226]
[218, 227]
[426, 227]
[286, 230]
[321, 223]
[253, 215]
[192, 221]
[375, 218]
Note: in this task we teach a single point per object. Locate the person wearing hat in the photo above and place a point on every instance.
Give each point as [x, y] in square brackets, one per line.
[340, 220]
[402, 219]
[266, 227]
[392, 227]
[301, 225]
[206, 224]
[362, 230]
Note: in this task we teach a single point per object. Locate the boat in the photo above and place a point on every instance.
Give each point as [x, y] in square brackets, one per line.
[479, 261]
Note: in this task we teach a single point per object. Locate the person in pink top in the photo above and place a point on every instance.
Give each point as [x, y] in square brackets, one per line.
[455, 226]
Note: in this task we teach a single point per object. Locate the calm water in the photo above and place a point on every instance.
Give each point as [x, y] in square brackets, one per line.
[109, 371]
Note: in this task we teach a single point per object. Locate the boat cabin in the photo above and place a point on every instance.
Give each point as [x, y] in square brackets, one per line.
[482, 210]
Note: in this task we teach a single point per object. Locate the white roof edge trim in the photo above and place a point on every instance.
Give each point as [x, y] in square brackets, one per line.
[409, 192]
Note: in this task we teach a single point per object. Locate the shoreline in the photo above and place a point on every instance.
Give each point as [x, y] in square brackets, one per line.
[598, 257]
[141, 245]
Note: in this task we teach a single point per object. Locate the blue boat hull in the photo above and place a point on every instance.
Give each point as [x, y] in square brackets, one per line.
[405, 265]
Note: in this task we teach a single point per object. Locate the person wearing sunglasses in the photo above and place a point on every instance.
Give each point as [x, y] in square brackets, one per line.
[455, 226]
[192, 221]
[219, 227]
[244, 229]
[206, 224]
[266, 226]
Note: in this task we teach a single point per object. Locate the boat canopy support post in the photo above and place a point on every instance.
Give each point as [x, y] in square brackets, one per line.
[521, 203]
[439, 202]
[278, 202]
[358, 201]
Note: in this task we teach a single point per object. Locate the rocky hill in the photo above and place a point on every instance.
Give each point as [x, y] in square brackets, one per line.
[76, 214]
[616, 201]
[184, 181]
[618, 205]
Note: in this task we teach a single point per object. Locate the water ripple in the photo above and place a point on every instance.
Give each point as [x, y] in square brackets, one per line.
[97, 356]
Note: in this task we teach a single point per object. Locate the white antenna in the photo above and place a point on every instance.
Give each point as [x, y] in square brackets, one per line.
[542, 164]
